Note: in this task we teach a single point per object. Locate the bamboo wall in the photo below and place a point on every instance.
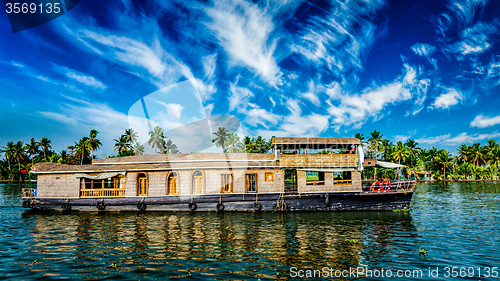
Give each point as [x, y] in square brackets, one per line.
[318, 160]
[58, 185]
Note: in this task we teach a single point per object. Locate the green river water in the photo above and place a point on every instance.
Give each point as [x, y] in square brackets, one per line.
[458, 224]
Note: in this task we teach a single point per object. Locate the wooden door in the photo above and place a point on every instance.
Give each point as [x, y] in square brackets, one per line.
[142, 186]
[198, 183]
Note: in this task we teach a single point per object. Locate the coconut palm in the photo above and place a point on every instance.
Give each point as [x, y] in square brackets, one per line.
[8, 150]
[494, 156]
[445, 160]
[63, 157]
[478, 153]
[375, 141]
[400, 152]
[32, 148]
[464, 152]
[93, 143]
[138, 148]
[19, 154]
[413, 148]
[82, 149]
[169, 146]
[131, 135]
[234, 144]
[45, 146]
[360, 137]
[122, 145]
[156, 138]
[221, 138]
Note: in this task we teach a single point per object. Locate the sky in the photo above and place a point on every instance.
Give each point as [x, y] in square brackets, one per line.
[425, 70]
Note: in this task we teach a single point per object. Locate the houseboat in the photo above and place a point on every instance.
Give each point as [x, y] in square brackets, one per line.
[303, 174]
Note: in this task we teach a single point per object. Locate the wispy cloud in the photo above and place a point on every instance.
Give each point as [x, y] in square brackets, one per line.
[341, 40]
[354, 109]
[449, 97]
[423, 49]
[482, 122]
[463, 138]
[243, 29]
[80, 77]
[475, 39]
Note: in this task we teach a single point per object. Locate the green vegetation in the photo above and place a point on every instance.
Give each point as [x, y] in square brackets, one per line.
[470, 162]
[422, 251]
[401, 211]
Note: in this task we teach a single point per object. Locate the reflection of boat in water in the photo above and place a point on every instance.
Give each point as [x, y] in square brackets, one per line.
[304, 174]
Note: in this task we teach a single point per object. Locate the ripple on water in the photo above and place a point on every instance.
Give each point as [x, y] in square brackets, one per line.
[456, 223]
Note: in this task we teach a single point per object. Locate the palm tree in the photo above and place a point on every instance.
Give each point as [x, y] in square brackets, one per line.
[221, 138]
[19, 154]
[413, 148]
[32, 148]
[375, 141]
[8, 150]
[360, 137]
[169, 146]
[387, 147]
[45, 145]
[131, 135]
[234, 144]
[138, 148]
[82, 149]
[400, 152]
[444, 159]
[464, 152]
[93, 143]
[156, 138]
[478, 153]
[494, 156]
[122, 145]
[63, 157]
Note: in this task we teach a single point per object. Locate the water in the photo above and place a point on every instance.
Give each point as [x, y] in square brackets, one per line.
[458, 224]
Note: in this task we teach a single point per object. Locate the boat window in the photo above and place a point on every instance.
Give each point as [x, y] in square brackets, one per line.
[109, 187]
[198, 187]
[251, 182]
[344, 177]
[226, 183]
[315, 178]
[173, 184]
[269, 176]
[142, 185]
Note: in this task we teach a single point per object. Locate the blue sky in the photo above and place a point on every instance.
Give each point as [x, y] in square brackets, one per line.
[426, 70]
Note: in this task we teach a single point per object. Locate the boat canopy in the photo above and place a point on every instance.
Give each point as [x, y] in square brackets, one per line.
[389, 165]
[314, 143]
[99, 176]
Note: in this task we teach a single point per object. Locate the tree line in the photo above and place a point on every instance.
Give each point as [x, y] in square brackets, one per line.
[473, 161]
[470, 162]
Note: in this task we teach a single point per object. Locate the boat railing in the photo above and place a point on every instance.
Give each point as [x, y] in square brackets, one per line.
[388, 186]
[29, 192]
[103, 192]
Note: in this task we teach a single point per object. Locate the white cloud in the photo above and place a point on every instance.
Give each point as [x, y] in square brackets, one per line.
[463, 138]
[449, 97]
[482, 122]
[475, 39]
[401, 138]
[80, 77]
[243, 29]
[340, 40]
[354, 109]
[296, 124]
[209, 64]
[423, 50]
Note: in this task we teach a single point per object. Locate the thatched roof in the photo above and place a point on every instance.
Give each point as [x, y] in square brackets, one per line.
[164, 162]
[306, 140]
